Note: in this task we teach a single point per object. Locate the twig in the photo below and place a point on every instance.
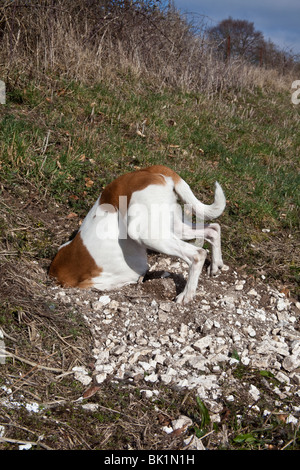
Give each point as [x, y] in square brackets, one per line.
[7, 336]
[45, 145]
[64, 374]
[63, 340]
[17, 441]
[286, 445]
[35, 366]
[207, 434]
[38, 366]
[8, 253]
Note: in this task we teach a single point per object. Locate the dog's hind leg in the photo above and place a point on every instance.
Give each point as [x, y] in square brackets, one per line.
[210, 233]
[193, 256]
[213, 236]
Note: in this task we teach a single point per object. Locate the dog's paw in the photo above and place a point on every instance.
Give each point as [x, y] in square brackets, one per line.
[214, 269]
[184, 298]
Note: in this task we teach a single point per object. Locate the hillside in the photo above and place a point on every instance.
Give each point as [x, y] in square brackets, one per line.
[68, 141]
[62, 139]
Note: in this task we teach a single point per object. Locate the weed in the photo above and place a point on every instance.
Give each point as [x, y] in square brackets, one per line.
[204, 420]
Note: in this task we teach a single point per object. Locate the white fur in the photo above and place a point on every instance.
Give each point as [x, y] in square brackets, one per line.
[118, 243]
[122, 261]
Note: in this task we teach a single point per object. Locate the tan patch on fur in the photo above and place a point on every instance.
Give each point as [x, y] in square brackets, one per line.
[127, 184]
[164, 170]
[73, 265]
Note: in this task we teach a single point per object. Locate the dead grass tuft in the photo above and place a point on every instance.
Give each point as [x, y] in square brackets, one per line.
[95, 40]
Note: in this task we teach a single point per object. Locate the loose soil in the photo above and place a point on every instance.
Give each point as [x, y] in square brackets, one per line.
[48, 331]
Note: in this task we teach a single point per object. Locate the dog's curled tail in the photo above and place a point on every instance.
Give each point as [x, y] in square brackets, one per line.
[203, 211]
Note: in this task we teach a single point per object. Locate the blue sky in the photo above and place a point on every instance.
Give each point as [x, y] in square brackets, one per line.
[278, 20]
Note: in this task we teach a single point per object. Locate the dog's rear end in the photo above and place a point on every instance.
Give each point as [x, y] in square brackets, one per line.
[136, 212]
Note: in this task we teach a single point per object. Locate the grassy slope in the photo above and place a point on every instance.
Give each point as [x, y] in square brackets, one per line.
[70, 140]
[63, 144]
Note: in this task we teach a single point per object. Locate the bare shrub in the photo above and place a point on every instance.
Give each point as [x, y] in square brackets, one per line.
[92, 39]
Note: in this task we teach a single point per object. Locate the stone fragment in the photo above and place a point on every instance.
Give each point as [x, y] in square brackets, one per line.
[260, 314]
[228, 302]
[207, 326]
[225, 268]
[102, 356]
[282, 304]
[254, 392]
[147, 393]
[245, 360]
[97, 306]
[291, 363]
[283, 378]
[182, 422]
[117, 351]
[107, 368]
[268, 345]
[101, 377]
[166, 378]
[292, 419]
[120, 373]
[148, 366]
[137, 354]
[114, 305]
[162, 316]
[183, 330]
[253, 293]
[197, 362]
[193, 442]
[239, 285]
[81, 374]
[295, 347]
[203, 343]
[151, 378]
[208, 381]
[160, 359]
[251, 331]
[165, 306]
[295, 376]
[104, 299]
[90, 407]
[167, 429]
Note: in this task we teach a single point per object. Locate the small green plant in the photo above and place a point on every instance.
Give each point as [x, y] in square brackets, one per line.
[204, 419]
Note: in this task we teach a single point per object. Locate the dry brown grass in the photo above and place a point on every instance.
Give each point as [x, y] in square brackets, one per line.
[95, 40]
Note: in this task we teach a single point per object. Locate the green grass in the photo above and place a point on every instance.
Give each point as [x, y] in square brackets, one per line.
[71, 140]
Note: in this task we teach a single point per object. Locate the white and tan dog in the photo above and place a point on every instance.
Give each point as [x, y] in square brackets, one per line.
[136, 212]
